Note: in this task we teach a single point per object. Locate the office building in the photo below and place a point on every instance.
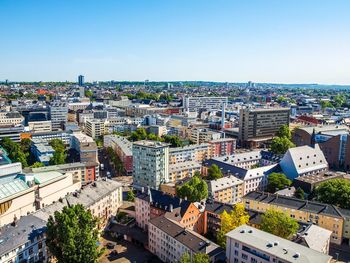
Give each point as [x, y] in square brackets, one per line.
[150, 163]
[39, 126]
[248, 244]
[42, 151]
[256, 126]
[81, 80]
[58, 114]
[193, 104]
[12, 132]
[10, 118]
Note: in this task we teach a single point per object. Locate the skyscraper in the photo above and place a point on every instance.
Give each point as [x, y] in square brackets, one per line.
[150, 163]
[81, 80]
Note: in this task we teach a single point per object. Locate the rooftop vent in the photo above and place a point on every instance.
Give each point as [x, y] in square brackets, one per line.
[296, 255]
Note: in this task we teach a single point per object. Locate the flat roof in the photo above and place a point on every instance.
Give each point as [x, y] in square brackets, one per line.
[276, 247]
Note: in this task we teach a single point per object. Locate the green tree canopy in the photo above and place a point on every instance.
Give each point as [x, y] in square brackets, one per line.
[15, 152]
[72, 236]
[173, 140]
[277, 181]
[214, 172]
[37, 165]
[130, 196]
[195, 190]
[279, 224]
[197, 258]
[60, 155]
[229, 221]
[335, 192]
[299, 193]
[280, 145]
[284, 131]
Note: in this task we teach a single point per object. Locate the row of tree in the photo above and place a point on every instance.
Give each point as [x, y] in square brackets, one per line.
[283, 141]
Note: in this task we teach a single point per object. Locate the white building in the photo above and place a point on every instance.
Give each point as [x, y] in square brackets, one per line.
[303, 160]
[58, 114]
[40, 126]
[150, 163]
[209, 103]
[169, 241]
[95, 128]
[248, 244]
[8, 118]
[203, 135]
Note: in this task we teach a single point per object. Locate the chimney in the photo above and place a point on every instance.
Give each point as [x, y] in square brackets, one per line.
[171, 207]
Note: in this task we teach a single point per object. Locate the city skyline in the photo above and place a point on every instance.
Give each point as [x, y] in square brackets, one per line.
[225, 41]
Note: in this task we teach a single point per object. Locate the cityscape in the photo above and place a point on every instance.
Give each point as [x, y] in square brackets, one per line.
[175, 131]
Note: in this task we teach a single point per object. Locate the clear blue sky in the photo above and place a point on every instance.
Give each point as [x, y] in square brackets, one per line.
[290, 41]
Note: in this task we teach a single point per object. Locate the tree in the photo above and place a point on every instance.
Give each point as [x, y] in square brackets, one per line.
[229, 221]
[72, 235]
[284, 131]
[299, 193]
[197, 258]
[60, 155]
[280, 145]
[278, 223]
[195, 190]
[14, 151]
[335, 192]
[89, 93]
[138, 135]
[130, 196]
[37, 165]
[173, 140]
[277, 181]
[214, 172]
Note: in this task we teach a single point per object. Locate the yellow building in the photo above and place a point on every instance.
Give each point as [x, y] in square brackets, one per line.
[324, 215]
[227, 190]
[183, 170]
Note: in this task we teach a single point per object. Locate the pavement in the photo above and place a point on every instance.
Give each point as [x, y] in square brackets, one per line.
[127, 252]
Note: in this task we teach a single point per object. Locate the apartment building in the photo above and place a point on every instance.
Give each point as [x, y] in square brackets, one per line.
[123, 148]
[49, 136]
[183, 170]
[203, 135]
[58, 114]
[95, 128]
[303, 160]
[259, 125]
[150, 164]
[152, 203]
[195, 153]
[169, 241]
[254, 178]
[323, 215]
[193, 104]
[12, 118]
[12, 132]
[102, 198]
[227, 189]
[248, 244]
[222, 147]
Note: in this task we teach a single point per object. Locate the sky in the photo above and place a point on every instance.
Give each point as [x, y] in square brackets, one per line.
[276, 41]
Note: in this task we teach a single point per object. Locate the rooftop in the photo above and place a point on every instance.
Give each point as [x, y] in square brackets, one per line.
[294, 203]
[192, 240]
[183, 166]
[152, 144]
[276, 246]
